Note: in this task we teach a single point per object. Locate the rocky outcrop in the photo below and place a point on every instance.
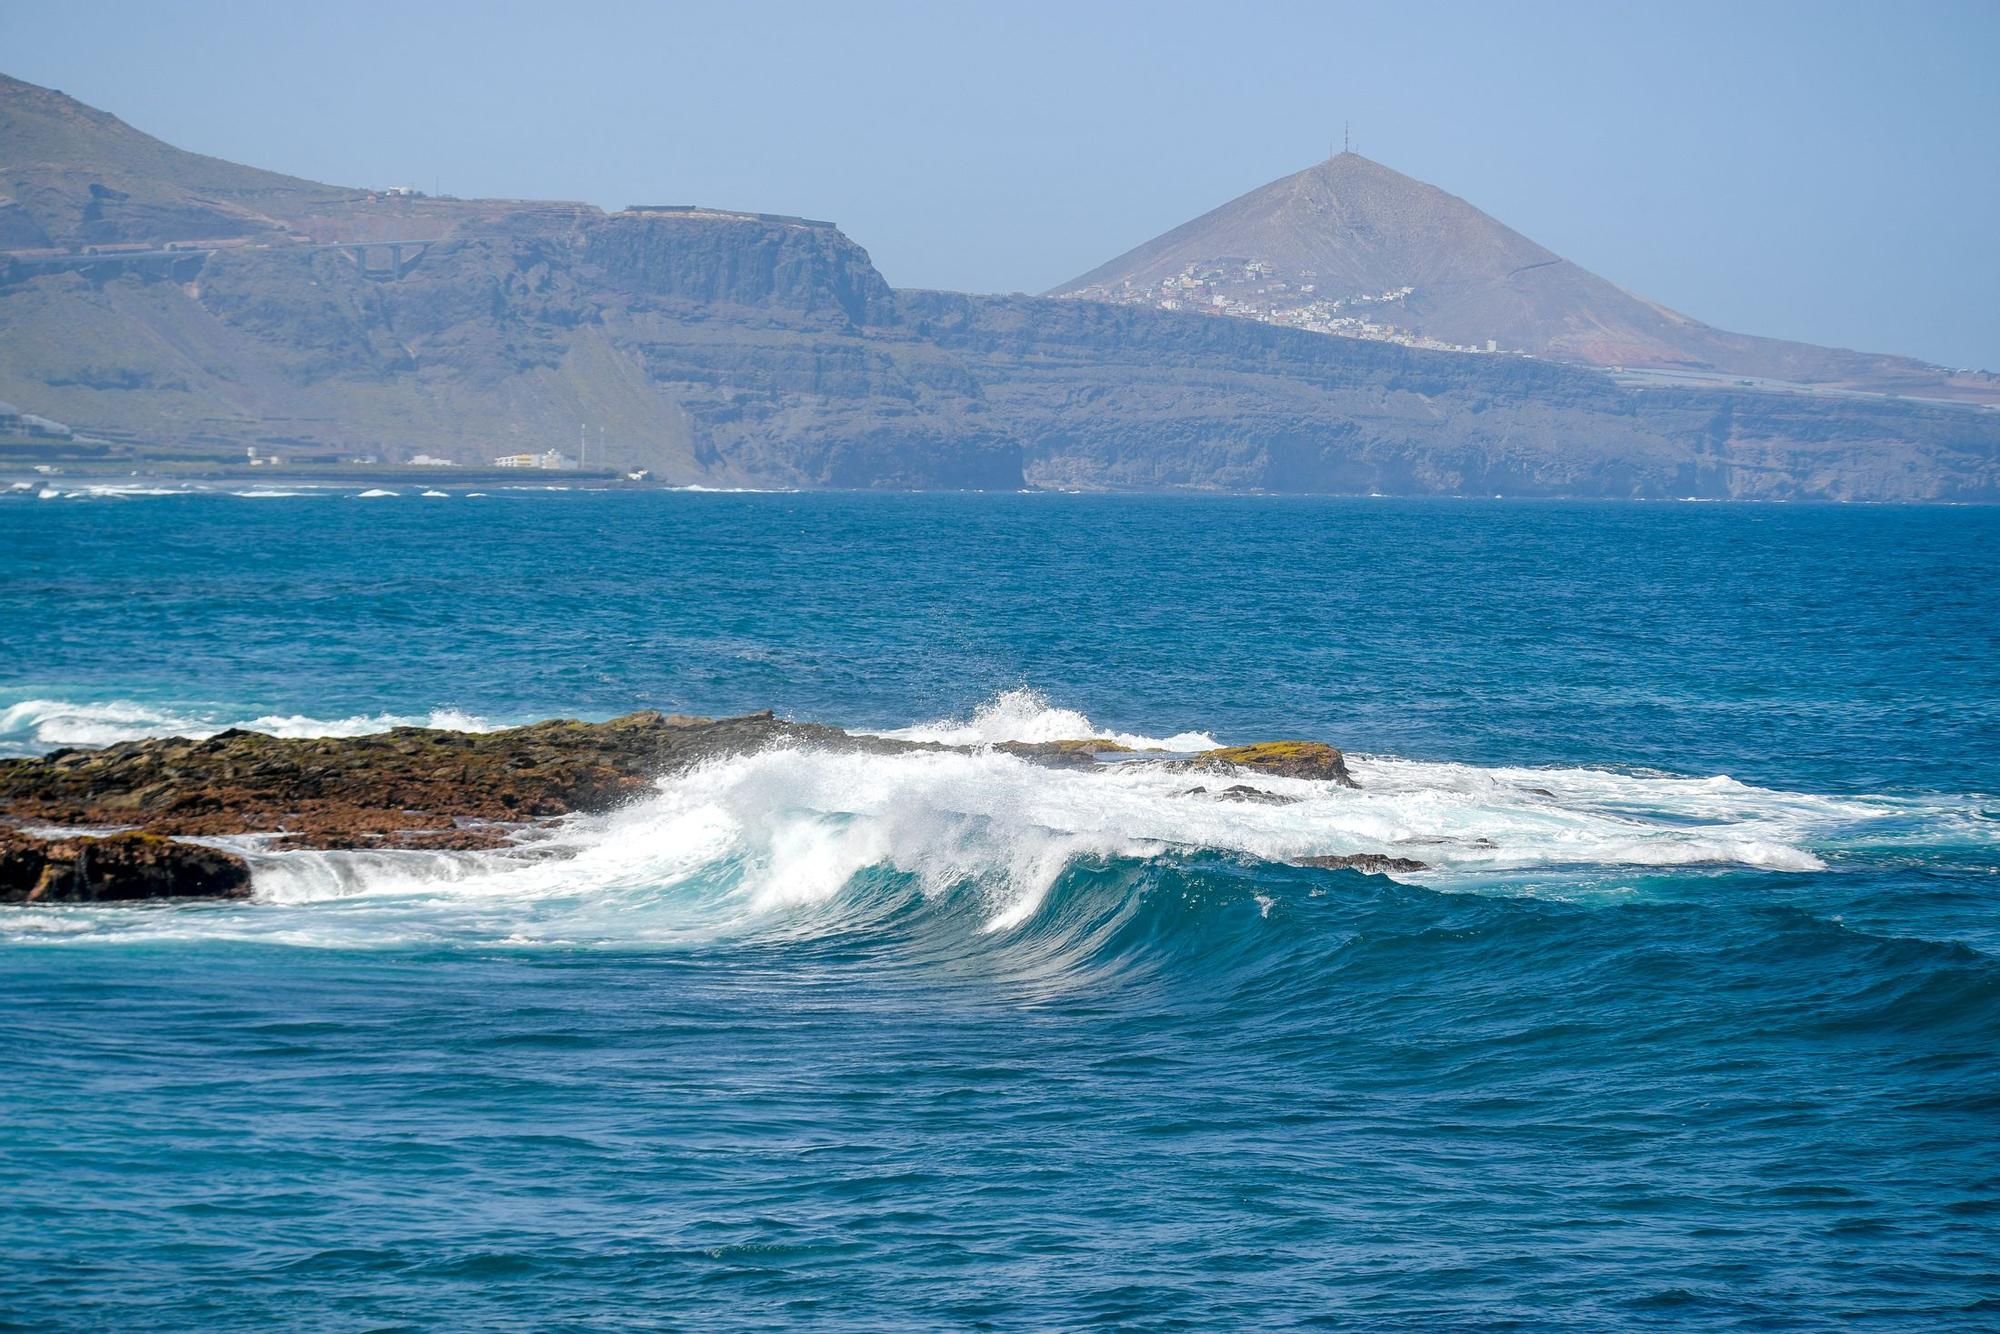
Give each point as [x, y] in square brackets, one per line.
[115, 868]
[1077, 754]
[426, 788]
[1286, 759]
[410, 787]
[430, 788]
[1244, 793]
[1369, 863]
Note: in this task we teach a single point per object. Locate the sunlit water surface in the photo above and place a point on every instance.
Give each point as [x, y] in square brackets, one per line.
[1694, 1022]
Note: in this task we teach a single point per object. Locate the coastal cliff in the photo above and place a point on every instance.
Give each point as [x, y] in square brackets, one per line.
[1105, 396]
[186, 309]
[740, 352]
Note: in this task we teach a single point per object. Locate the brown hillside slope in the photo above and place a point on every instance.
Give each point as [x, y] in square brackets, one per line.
[1354, 227]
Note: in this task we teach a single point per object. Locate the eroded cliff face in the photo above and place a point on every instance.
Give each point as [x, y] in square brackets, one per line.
[735, 350]
[739, 349]
[717, 350]
[781, 343]
[807, 269]
[1102, 395]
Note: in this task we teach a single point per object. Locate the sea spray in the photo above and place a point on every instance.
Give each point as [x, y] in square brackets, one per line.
[748, 842]
[1025, 714]
[30, 726]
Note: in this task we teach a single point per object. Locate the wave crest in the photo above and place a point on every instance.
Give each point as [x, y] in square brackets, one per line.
[812, 843]
[1023, 714]
[33, 725]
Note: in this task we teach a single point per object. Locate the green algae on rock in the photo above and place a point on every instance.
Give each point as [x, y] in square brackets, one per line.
[1287, 759]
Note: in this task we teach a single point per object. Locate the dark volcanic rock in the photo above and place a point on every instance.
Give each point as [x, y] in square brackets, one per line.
[414, 786]
[114, 868]
[1081, 754]
[423, 787]
[1372, 863]
[1244, 792]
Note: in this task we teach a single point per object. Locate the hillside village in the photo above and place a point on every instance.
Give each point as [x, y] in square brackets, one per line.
[1255, 289]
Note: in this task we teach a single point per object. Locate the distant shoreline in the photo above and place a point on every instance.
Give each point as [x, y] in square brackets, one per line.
[25, 487]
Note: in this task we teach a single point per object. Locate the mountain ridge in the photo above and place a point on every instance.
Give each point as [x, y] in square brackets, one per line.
[727, 348]
[75, 175]
[1355, 228]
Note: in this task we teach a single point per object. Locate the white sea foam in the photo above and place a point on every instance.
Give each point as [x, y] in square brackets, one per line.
[758, 840]
[37, 724]
[1027, 715]
[775, 840]
[377, 492]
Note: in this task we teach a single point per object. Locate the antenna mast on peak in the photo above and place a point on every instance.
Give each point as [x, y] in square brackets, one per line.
[1344, 138]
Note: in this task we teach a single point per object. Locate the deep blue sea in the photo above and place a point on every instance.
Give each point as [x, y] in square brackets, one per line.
[1695, 1022]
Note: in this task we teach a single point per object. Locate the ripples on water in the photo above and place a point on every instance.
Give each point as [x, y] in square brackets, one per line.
[956, 1042]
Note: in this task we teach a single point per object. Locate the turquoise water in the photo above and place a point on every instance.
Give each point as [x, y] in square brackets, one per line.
[1695, 1023]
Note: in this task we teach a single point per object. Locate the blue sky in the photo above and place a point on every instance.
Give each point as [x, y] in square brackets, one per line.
[1825, 171]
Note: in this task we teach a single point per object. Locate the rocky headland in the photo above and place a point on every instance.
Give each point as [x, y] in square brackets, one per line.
[428, 788]
[180, 311]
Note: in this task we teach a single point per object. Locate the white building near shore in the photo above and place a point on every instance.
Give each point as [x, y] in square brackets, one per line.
[553, 460]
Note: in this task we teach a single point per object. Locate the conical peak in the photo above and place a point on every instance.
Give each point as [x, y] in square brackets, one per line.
[1349, 184]
[1350, 165]
[1355, 226]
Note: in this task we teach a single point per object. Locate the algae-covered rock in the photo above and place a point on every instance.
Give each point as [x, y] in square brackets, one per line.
[1286, 759]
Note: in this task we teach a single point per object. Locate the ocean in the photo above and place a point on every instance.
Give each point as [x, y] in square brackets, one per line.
[1694, 1022]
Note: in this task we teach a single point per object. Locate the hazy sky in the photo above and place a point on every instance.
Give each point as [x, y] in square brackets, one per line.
[1821, 171]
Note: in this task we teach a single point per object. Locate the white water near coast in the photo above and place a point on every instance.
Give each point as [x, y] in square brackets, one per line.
[749, 840]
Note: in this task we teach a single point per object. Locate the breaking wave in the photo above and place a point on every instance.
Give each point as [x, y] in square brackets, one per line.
[34, 725]
[809, 843]
[1027, 715]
